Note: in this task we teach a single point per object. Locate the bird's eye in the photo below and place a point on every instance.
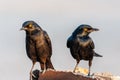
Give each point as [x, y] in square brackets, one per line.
[85, 29]
[30, 26]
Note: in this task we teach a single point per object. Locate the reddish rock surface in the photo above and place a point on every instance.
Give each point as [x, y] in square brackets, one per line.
[60, 75]
[63, 75]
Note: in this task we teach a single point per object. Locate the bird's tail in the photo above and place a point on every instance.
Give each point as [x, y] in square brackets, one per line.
[49, 64]
[97, 55]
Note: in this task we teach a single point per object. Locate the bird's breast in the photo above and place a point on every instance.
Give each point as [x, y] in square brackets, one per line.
[83, 43]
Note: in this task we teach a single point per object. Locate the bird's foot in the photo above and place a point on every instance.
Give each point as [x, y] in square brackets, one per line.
[88, 74]
[32, 76]
[74, 70]
[43, 71]
[49, 69]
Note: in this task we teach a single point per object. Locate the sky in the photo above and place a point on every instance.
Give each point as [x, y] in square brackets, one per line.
[59, 18]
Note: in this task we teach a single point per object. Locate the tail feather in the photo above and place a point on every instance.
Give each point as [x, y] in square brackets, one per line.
[97, 55]
[49, 64]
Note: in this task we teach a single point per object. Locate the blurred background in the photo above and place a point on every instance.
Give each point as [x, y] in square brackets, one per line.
[59, 18]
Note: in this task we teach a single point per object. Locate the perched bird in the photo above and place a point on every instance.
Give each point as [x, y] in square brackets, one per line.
[81, 45]
[38, 45]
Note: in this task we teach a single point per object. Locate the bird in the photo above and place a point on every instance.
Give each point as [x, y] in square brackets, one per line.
[81, 45]
[38, 46]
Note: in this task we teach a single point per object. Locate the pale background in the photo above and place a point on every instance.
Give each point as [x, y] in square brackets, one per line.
[59, 18]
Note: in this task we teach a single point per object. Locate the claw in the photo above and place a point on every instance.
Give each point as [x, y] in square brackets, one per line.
[74, 70]
[43, 71]
[88, 74]
[33, 76]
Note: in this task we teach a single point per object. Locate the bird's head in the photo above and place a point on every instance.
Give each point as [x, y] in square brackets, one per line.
[84, 30]
[30, 26]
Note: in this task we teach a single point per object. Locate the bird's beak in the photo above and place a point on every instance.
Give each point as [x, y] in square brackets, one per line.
[95, 29]
[23, 28]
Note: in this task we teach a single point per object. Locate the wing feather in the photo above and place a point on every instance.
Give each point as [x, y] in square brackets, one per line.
[48, 41]
[69, 42]
[92, 46]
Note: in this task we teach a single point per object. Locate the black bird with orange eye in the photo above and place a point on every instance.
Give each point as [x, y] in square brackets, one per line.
[38, 46]
[81, 45]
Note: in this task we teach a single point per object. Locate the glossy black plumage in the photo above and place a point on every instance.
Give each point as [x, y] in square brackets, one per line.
[81, 45]
[38, 45]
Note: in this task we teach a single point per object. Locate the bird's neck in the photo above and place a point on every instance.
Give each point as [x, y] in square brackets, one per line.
[83, 37]
[34, 32]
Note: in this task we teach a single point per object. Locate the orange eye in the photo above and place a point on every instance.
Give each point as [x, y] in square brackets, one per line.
[85, 29]
[30, 26]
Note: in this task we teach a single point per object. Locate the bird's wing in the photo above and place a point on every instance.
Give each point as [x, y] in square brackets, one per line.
[74, 46]
[30, 47]
[69, 42]
[92, 46]
[47, 39]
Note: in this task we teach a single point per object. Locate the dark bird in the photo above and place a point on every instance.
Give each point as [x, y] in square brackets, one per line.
[38, 46]
[81, 45]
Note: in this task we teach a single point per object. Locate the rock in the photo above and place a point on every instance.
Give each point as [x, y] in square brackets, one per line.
[62, 75]
[69, 75]
[105, 76]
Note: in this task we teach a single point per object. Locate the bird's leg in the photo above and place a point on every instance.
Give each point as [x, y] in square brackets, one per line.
[31, 74]
[43, 67]
[76, 65]
[90, 63]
